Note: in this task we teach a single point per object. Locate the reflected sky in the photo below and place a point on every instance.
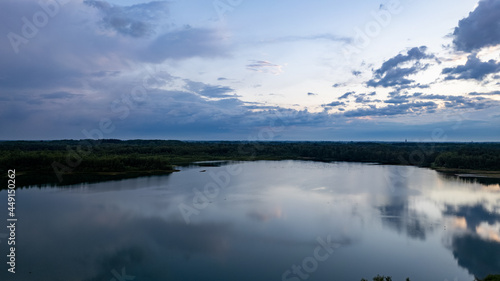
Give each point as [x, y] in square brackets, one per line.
[260, 220]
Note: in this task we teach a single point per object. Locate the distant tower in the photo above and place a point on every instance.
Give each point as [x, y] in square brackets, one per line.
[406, 140]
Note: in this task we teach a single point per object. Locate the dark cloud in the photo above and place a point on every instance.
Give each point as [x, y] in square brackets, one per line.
[391, 74]
[364, 98]
[59, 95]
[136, 20]
[398, 99]
[217, 92]
[361, 99]
[430, 97]
[209, 91]
[333, 104]
[414, 54]
[413, 86]
[474, 68]
[84, 54]
[476, 103]
[480, 29]
[393, 77]
[312, 94]
[356, 73]
[494, 93]
[99, 58]
[266, 107]
[390, 110]
[346, 95]
[460, 102]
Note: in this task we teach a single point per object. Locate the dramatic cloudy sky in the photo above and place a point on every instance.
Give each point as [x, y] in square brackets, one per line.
[250, 70]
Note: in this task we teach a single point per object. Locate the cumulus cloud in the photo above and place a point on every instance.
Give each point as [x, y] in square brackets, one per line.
[346, 95]
[474, 68]
[397, 98]
[333, 104]
[364, 98]
[393, 77]
[391, 73]
[480, 29]
[414, 54]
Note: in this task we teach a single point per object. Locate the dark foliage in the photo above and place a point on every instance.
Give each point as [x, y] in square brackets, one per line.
[111, 155]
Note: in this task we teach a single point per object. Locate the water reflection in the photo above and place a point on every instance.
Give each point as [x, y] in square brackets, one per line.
[477, 247]
[402, 219]
[480, 257]
[494, 182]
[473, 215]
[386, 219]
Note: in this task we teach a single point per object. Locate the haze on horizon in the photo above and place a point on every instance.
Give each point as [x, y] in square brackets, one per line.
[250, 70]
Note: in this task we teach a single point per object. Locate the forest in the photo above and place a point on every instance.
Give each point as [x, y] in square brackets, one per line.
[60, 160]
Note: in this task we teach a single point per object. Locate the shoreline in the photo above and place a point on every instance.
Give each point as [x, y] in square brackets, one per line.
[41, 179]
[49, 161]
[469, 173]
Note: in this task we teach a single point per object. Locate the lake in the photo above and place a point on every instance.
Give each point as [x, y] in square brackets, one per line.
[264, 220]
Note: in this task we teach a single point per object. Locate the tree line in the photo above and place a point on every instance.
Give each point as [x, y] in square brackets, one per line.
[111, 155]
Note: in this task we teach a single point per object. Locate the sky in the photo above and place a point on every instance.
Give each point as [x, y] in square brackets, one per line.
[389, 70]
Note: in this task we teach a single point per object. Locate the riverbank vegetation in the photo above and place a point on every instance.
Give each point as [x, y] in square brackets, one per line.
[61, 159]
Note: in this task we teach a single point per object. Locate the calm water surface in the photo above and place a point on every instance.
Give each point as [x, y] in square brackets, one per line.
[267, 220]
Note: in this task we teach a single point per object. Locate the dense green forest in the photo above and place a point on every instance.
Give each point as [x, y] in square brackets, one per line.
[56, 159]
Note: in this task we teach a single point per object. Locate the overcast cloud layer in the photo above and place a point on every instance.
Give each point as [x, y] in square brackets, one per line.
[204, 70]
